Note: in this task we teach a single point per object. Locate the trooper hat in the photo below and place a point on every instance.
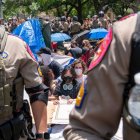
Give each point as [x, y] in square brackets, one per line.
[44, 50]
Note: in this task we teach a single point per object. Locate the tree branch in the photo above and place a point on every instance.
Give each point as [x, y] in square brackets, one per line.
[71, 4]
[85, 2]
[68, 12]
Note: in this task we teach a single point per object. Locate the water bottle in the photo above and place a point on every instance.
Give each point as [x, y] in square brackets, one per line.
[134, 99]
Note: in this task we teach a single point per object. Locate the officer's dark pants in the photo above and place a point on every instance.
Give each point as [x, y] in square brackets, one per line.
[129, 133]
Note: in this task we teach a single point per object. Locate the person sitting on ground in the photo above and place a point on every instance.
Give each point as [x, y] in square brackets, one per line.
[87, 51]
[79, 68]
[74, 44]
[69, 87]
[86, 45]
[74, 50]
[45, 58]
[48, 80]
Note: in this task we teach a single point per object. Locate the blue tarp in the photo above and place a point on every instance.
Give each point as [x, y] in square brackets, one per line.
[30, 32]
[60, 37]
[98, 33]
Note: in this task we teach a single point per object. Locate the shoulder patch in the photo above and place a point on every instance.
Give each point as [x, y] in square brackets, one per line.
[4, 55]
[99, 54]
[81, 96]
[125, 17]
[39, 71]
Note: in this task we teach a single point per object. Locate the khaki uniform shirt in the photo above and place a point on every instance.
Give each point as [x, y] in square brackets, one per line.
[75, 27]
[101, 111]
[19, 60]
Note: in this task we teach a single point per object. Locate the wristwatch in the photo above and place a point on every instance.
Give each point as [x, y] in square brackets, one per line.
[45, 136]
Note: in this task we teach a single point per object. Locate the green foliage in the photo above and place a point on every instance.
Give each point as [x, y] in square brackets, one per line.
[82, 8]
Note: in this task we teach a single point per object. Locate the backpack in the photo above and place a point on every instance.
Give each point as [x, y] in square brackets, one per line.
[5, 89]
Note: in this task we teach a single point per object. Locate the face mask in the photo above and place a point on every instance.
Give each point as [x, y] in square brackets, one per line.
[78, 71]
[46, 59]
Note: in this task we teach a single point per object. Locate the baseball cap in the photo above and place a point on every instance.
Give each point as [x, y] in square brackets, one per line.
[44, 50]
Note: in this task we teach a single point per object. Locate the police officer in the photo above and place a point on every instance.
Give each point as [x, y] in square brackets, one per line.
[45, 28]
[57, 26]
[95, 22]
[75, 26]
[100, 101]
[18, 68]
[102, 21]
[64, 24]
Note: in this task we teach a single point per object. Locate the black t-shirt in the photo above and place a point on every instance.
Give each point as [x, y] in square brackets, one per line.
[59, 91]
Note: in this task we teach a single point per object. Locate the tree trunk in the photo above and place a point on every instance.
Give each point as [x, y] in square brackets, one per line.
[79, 11]
[96, 6]
[58, 12]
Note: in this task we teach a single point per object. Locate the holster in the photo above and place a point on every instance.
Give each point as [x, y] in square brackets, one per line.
[12, 129]
[28, 120]
[5, 132]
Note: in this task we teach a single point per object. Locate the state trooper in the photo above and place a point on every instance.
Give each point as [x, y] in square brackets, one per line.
[95, 22]
[45, 28]
[64, 24]
[102, 21]
[57, 26]
[75, 26]
[101, 101]
[18, 68]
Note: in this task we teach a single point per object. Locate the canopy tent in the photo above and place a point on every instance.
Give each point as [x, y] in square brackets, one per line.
[30, 32]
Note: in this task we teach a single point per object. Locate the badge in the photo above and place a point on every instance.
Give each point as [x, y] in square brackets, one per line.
[39, 72]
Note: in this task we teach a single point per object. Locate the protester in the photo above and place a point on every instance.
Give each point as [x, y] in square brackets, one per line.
[79, 68]
[74, 44]
[86, 25]
[48, 78]
[69, 87]
[45, 58]
[73, 50]
[87, 51]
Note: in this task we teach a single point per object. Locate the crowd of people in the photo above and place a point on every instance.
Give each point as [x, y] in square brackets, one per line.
[69, 25]
[62, 81]
[65, 82]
